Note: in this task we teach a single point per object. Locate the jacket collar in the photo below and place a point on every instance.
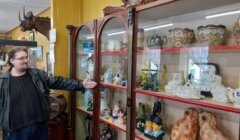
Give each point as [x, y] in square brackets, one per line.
[7, 74]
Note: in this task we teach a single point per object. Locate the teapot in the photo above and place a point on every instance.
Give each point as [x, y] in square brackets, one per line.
[234, 96]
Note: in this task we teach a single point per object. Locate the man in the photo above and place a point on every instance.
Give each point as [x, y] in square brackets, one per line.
[24, 97]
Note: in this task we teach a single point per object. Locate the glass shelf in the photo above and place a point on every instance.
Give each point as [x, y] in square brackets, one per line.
[83, 109]
[107, 85]
[207, 102]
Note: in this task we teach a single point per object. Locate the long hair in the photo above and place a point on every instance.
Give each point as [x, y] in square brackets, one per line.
[13, 51]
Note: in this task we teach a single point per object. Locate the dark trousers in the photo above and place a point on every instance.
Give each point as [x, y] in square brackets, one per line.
[38, 131]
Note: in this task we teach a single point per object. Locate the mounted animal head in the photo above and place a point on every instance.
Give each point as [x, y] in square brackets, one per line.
[30, 22]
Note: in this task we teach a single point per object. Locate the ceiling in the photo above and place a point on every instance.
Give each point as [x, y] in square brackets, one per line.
[9, 10]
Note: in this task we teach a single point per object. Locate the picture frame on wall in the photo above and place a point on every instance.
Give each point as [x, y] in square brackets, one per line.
[31, 36]
[39, 53]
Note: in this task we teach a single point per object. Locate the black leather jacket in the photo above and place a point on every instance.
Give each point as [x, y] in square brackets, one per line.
[44, 82]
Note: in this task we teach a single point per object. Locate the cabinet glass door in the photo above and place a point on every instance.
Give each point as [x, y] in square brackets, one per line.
[113, 75]
[187, 57]
[84, 69]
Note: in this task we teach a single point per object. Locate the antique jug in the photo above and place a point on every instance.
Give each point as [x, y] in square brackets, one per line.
[179, 37]
[234, 96]
[236, 31]
[213, 35]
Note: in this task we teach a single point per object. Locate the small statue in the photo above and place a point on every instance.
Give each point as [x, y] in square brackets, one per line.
[177, 81]
[90, 104]
[208, 127]
[188, 91]
[148, 130]
[162, 78]
[116, 111]
[108, 76]
[117, 79]
[219, 92]
[157, 133]
[157, 109]
[141, 110]
[141, 117]
[186, 128]
[141, 124]
[121, 118]
[106, 134]
[234, 96]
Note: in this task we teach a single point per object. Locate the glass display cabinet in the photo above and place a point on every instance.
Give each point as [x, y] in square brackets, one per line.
[84, 60]
[187, 69]
[112, 60]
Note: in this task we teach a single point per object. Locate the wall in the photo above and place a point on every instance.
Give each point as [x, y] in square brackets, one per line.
[93, 9]
[39, 38]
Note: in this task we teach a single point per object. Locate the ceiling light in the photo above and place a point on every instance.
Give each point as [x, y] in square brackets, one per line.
[116, 33]
[90, 37]
[157, 27]
[223, 14]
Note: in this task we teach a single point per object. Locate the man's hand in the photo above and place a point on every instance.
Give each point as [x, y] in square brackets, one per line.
[89, 84]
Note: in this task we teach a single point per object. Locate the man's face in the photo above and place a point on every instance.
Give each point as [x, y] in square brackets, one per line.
[20, 61]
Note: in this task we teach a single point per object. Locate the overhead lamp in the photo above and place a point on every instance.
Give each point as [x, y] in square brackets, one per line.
[223, 14]
[90, 37]
[116, 33]
[157, 27]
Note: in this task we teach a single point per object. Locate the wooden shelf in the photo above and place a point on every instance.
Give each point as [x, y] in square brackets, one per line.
[83, 109]
[114, 52]
[107, 85]
[122, 127]
[184, 50]
[207, 102]
[118, 126]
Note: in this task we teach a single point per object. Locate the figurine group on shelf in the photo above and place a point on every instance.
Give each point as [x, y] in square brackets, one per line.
[150, 125]
[116, 115]
[187, 128]
[192, 90]
[120, 76]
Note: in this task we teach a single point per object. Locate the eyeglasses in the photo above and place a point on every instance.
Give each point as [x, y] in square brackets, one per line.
[22, 58]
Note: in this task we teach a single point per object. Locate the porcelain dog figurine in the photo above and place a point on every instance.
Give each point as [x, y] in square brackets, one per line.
[187, 127]
[208, 127]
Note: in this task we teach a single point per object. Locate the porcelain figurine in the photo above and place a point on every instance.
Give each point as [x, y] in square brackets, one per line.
[141, 110]
[178, 80]
[140, 41]
[111, 45]
[218, 90]
[162, 78]
[158, 133]
[116, 111]
[140, 124]
[234, 96]
[141, 117]
[87, 96]
[148, 130]
[117, 79]
[108, 76]
[106, 134]
[104, 101]
[90, 104]
[208, 127]
[121, 118]
[186, 128]
[213, 35]
[107, 113]
[188, 91]
[157, 109]
[90, 68]
[236, 31]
